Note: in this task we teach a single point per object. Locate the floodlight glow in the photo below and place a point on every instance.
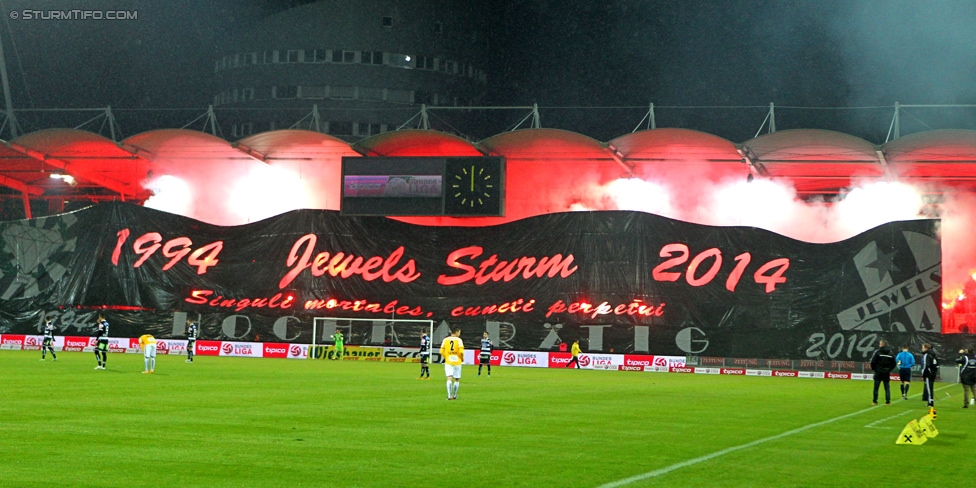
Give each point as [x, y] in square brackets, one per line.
[65, 178]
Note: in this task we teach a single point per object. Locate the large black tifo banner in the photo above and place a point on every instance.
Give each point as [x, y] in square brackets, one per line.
[617, 281]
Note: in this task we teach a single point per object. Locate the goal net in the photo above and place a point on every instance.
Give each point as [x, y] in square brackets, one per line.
[365, 332]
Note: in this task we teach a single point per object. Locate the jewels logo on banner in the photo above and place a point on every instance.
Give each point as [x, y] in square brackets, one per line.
[902, 288]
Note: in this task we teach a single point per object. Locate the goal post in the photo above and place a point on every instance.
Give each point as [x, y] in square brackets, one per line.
[367, 332]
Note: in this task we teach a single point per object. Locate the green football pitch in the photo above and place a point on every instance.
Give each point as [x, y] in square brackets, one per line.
[277, 422]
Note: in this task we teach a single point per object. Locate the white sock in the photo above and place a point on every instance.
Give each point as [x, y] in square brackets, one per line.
[152, 364]
[146, 361]
[457, 384]
[449, 395]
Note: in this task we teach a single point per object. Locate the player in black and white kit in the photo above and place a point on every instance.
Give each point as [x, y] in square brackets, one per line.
[484, 356]
[48, 340]
[191, 339]
[424, 356]
[101, 348]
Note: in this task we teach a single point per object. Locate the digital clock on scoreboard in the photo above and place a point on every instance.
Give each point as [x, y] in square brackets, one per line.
[423, 186]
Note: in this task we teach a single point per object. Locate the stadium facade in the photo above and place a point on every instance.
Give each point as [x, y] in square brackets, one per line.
[355, 69]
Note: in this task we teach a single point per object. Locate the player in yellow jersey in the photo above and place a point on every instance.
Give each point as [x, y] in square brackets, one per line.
[452, 350]
[576, 352]
[148, 345]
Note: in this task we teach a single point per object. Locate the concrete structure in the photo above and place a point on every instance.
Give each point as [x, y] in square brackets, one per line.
[351, 69]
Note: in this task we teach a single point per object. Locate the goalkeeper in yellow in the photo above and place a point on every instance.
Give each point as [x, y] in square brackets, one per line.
[452, 350]
[148, 345]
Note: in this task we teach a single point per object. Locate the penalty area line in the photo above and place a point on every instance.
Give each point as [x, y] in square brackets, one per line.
[701, 459]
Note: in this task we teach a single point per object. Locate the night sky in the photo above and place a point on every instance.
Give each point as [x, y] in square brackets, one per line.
[565, 53]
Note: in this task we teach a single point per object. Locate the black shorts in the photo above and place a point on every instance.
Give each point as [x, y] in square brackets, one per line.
[424, 358]
[905, 373]
[483, 359]
[48, 341]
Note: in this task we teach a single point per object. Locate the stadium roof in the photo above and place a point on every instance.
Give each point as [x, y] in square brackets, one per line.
[815, 161]
[97, 165]
[414, 142]
[294, 144]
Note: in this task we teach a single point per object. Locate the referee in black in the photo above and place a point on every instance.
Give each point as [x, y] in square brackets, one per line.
[882, 363]
[930, 369]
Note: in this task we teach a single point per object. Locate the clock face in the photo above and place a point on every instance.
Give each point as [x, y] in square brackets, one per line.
[473, 186]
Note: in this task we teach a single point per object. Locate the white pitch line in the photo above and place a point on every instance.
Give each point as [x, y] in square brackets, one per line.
[876, 422]
[700, 459]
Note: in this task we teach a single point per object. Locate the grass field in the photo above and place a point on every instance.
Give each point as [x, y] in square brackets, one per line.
[270, 422]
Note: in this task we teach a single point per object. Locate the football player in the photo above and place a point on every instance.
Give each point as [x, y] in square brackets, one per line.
[101, 347]
[48, 340]
[452, 350]
[424, 356]
[191, 339]
[484, 358]
[148, 344]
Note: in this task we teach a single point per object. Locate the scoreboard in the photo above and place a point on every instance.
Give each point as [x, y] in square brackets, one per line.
[423, 186]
